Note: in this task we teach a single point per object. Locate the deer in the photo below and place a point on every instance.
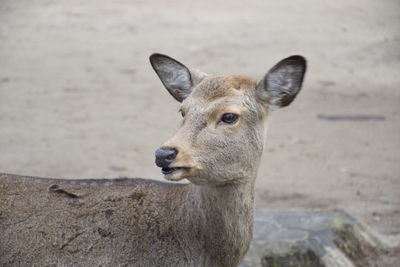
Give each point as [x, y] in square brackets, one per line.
[142, 222]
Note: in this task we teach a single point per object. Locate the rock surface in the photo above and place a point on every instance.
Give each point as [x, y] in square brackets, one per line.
[325, 238]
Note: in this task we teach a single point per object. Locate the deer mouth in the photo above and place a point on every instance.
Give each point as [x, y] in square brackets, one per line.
[174, 173]
[168, 170]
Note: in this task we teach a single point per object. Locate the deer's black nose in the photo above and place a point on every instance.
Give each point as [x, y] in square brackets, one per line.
[164, 157]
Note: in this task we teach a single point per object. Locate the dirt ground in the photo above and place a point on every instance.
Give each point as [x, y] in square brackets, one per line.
[79, 99]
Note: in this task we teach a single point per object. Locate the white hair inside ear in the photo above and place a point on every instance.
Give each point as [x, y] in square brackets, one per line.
[178, 79]
[283, 82]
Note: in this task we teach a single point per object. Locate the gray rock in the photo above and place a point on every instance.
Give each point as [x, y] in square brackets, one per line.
[316, 239]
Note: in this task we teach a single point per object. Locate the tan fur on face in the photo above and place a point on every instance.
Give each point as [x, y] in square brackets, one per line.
[214, 87]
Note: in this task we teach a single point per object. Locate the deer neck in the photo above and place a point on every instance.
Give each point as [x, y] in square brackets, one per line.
[222, 219]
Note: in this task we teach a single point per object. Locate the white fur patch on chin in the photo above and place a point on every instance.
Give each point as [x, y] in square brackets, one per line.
[177, 175]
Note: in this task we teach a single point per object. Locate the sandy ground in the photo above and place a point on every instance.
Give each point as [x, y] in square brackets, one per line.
[79, 99]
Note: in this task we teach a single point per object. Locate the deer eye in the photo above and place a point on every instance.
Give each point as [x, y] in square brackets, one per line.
[229, 118]
[182, 112]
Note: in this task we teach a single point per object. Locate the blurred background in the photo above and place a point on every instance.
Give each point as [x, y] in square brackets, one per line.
[79, 99]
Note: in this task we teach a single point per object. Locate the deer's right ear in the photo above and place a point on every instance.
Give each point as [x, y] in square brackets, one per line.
[176, 77]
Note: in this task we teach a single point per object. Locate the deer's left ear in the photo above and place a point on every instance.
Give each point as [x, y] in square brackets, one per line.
[281, 84]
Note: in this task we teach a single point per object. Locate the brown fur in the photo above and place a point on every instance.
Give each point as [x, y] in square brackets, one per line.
[123, 222]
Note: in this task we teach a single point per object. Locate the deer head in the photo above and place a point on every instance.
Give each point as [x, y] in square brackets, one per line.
[221, 137]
